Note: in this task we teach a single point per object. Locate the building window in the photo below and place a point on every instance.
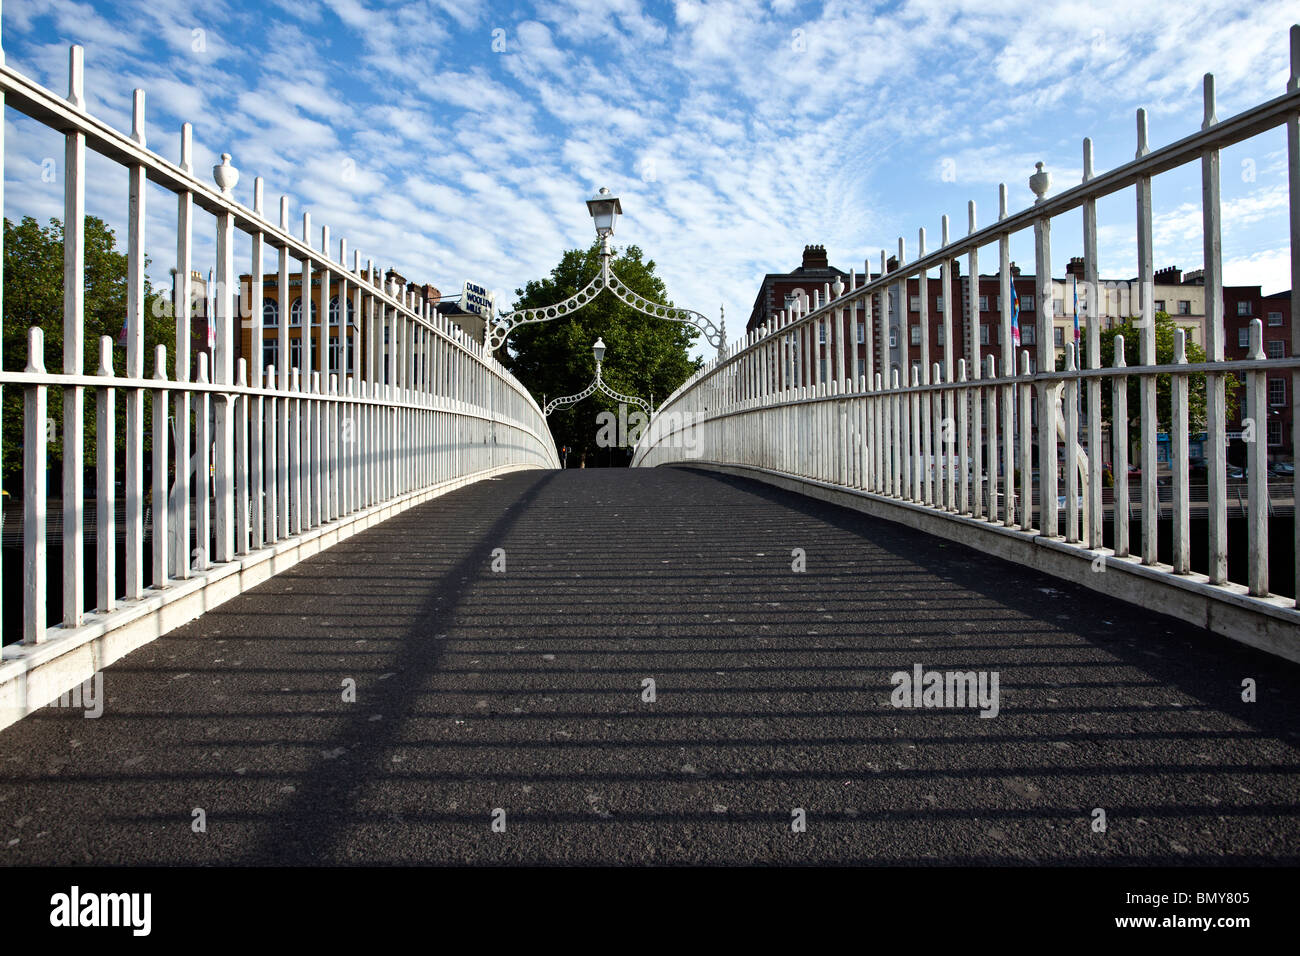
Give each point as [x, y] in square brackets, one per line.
[1184, 307]
[1275, 318]
[1028, 335]
[822, 367]
[1027, 303]
[1274, 431]
[916, 335]
[862, 332]
[862, 367]
[1243, 338]
[821, 332]
[984, 303]
[914, 303]
[984, 334]
[270, 312]
[1160, 305]
[1277, 391]
[1243, 308]
[334, 311]
[295, 353]
[1277, 349]
[893, 338]
[295, 312]
[939, 304]
[1058, 307]
[270, 353]
[1058, 336]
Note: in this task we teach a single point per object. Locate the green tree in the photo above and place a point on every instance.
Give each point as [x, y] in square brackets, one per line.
[33, 296]
[645, 356]
[1166, 329]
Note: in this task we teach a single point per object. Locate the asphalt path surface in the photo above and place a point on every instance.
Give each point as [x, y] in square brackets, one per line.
[487, 697]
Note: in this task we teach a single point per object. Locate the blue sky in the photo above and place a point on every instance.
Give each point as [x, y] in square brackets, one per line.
[458, 139]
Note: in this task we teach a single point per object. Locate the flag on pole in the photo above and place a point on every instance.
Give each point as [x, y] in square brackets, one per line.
[211, 304]
[1015, 316]
[1076, 314]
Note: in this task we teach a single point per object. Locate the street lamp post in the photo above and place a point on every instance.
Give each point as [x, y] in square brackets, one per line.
[598, 385]
[605, 208]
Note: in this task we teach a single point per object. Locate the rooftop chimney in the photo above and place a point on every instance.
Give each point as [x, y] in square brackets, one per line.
[814, 257]
[1171, 275]
[1075, 267]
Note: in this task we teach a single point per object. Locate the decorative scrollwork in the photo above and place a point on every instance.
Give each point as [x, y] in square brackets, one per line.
[713, 335]
[597, 386]
[496, 332]
[507, 322]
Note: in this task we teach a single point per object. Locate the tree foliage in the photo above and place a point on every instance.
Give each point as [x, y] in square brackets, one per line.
[33, 296]
[1166, 330]
[645, 356]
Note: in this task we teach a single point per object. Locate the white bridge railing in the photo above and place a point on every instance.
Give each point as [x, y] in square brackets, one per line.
[918, 449]
[247, 463]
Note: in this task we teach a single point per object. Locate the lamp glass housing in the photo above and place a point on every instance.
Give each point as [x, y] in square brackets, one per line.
[605, 210]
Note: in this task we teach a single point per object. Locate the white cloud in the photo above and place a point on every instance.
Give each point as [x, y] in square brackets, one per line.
[735, 131]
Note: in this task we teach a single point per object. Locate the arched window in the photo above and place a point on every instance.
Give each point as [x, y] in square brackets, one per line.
[270, 312]
[334, 312]
[295, 312]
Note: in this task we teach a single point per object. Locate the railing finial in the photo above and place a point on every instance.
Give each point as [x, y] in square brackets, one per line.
[187, 148]
[137, 116]
[1294, 83]
[35, 350]
[1210, 117]
[1088, 172]
[76, 77]
[1144, 146]
[1002, 201]
[225, 175]
[1040, 183]
[970, 212]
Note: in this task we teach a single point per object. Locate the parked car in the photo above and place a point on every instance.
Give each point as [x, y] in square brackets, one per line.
[1283, 469]
[1236, 473]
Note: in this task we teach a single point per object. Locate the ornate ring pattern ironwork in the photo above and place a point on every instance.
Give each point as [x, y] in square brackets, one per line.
[507, 322]
[597, 386]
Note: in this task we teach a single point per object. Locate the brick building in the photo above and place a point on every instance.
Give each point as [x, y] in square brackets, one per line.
[1180, 296]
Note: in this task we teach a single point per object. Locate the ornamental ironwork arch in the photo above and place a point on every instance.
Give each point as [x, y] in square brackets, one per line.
[496, 332]
[597, 385]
